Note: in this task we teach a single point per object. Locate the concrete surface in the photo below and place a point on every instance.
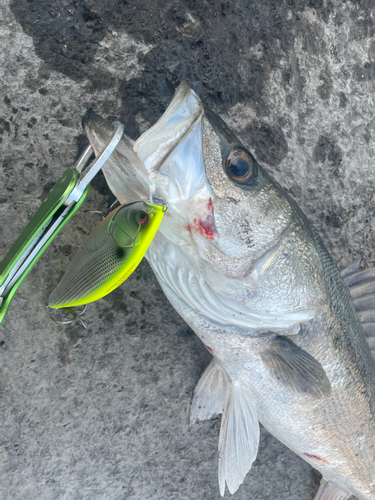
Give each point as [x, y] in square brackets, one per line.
[103, 413]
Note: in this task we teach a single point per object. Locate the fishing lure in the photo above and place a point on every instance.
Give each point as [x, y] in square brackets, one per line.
[109, 255]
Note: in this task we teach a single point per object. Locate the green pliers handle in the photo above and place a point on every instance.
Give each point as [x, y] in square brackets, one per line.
[63, 201]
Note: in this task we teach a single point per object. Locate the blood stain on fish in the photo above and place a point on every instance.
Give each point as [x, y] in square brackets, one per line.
[206, 227]
[315, 457]
[203, 228]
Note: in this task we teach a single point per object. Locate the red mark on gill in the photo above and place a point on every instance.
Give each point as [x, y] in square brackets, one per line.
[315, 457]
[206, 228]
[210, 348]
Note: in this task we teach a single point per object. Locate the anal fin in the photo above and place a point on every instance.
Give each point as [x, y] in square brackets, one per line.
[295, 369]
[329, 491]
[239, 438]
[209, 393]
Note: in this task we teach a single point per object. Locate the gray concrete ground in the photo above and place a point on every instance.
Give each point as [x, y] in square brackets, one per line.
[102, 413]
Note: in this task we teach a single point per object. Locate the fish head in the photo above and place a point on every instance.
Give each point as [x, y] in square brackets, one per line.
[237, 227]
[219, 198]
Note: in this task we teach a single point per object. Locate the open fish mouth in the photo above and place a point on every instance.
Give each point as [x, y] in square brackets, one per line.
[173, 146]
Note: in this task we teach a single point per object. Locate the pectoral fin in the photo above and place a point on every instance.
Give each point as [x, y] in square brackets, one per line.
[209, 393]
[239, 438]
[329, 491]
[295, 369]
[361, 284]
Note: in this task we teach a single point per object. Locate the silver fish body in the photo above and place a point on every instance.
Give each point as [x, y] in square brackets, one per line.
[243, 266]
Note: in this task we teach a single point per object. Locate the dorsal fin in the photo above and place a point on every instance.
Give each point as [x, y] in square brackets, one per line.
[361, 284]
[359, 276]
[351, 268]
[363, 288]
[329, 491]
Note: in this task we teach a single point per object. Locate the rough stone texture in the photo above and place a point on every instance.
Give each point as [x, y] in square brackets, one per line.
[103, 413]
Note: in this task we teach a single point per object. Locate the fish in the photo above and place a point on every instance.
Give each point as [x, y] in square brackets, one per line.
[245, 268]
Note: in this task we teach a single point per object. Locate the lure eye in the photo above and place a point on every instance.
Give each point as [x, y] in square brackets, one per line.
[241, 167]
[143, 218]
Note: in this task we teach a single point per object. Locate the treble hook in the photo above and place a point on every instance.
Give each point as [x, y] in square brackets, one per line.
[76, 316]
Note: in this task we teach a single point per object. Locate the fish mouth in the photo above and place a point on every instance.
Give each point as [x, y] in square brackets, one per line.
[125, 174]
[156, 144]
[97, 129]
[172, 146]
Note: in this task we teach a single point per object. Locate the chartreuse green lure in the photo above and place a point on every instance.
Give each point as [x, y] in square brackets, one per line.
[109, 255]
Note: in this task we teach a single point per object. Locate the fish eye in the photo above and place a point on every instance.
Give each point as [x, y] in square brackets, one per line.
[241, 166]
